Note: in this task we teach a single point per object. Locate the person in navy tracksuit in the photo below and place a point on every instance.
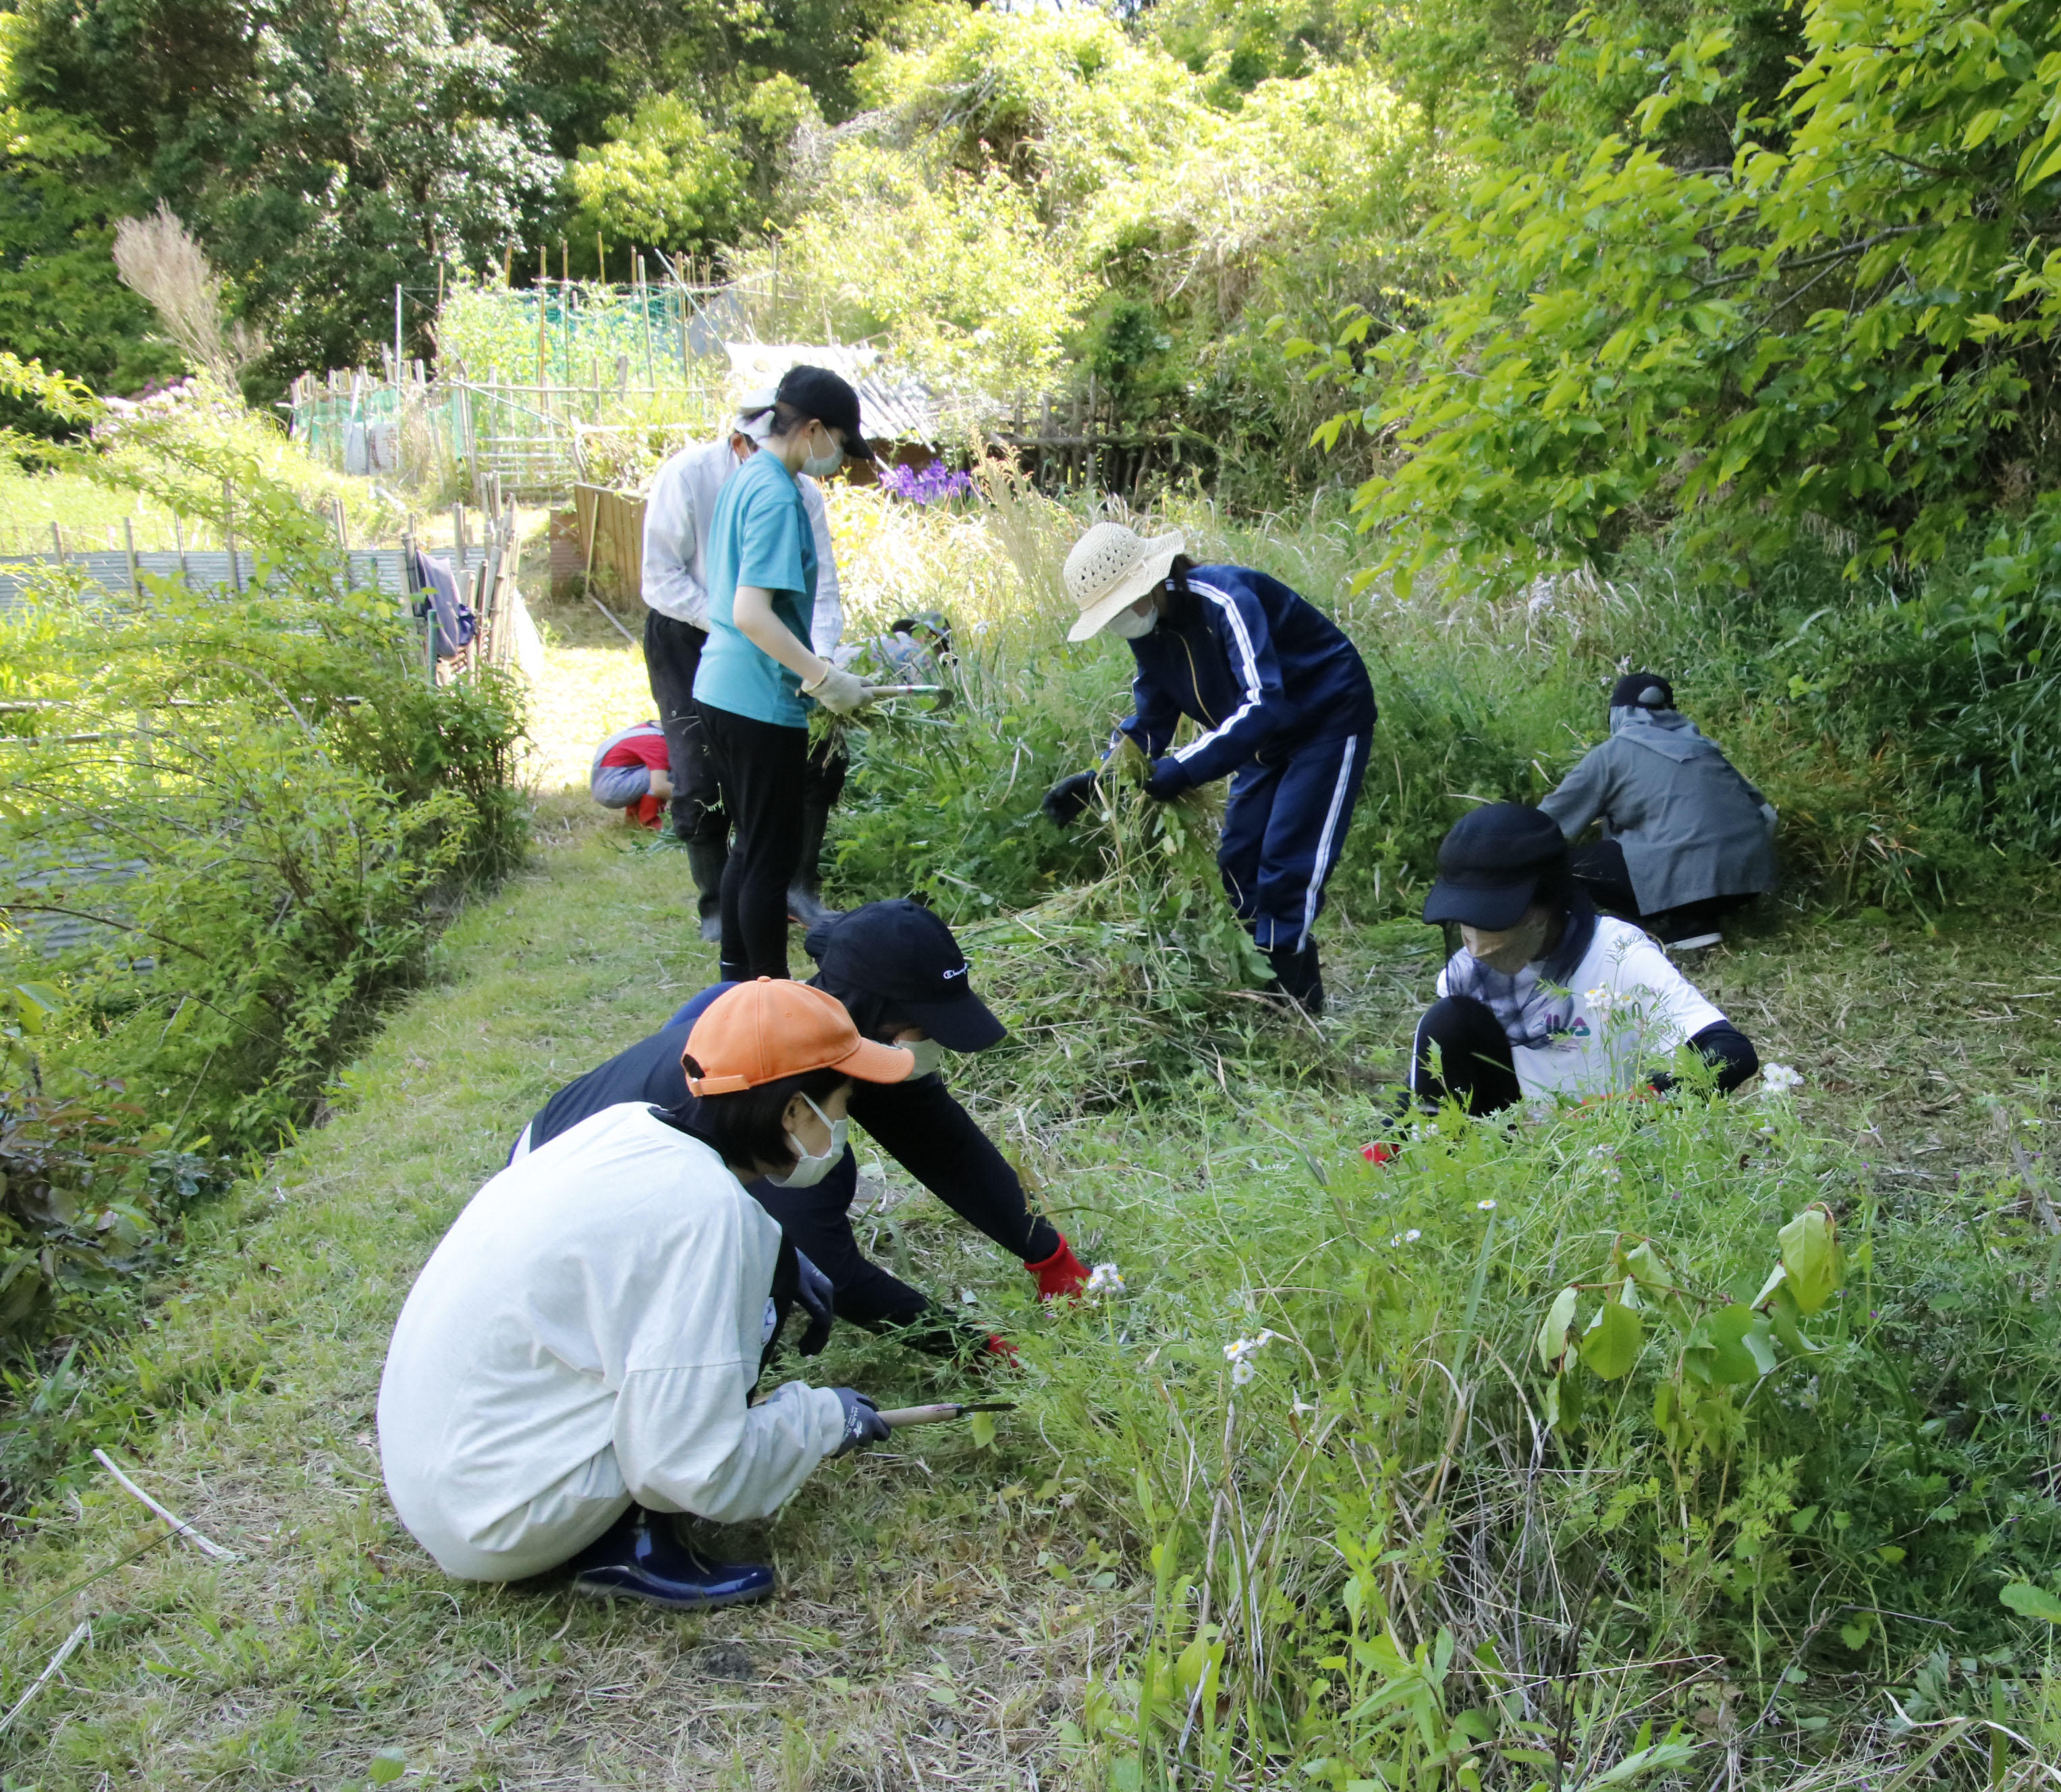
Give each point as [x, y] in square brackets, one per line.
[1285, 709]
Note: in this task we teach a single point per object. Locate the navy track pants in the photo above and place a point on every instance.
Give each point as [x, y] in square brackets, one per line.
[1284, 826]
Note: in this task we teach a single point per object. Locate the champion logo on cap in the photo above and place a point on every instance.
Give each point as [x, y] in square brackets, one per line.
[957, 970]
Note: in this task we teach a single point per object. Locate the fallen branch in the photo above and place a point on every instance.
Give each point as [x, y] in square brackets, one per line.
[205, 1545]
[57, 1661]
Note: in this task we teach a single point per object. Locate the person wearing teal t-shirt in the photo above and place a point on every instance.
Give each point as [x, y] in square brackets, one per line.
[759, 673]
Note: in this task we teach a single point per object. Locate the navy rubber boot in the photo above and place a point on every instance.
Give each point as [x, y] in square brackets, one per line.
[638, 1557]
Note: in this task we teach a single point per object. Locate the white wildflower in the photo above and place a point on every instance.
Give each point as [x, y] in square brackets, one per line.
[1600, 997]
[1104, 1279]
[1304, 1409]
[1485, 1206]
[1409, 1238]
[1240, 1353]
[1778, 1079]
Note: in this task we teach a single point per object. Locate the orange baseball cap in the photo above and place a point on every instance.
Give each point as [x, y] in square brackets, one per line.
[761, 1032]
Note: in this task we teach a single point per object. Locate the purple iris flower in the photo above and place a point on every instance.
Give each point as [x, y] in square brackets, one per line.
[936, 483]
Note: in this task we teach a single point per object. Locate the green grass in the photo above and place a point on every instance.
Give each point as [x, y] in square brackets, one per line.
[1043, 1611]
[947, 1611]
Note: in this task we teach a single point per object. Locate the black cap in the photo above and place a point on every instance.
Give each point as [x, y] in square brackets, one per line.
[818, 393]
[1492, 863]
[1642, 691]
[904, 955]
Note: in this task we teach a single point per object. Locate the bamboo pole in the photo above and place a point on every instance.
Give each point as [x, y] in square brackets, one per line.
[644, 325]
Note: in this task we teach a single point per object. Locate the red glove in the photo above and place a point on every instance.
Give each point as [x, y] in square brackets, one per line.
[1379, 1152]
[1061, 1276]
[999, 1353]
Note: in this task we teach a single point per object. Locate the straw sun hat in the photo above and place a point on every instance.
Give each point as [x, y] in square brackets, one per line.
[1111, 568]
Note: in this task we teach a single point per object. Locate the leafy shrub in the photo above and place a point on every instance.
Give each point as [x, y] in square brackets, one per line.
[1388, 1546]
[246, 812]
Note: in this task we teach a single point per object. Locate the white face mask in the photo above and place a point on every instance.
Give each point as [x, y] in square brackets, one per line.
[1512, 948]
[1128, 624]
[822, 467]
[929, 1054]
[809, 1168]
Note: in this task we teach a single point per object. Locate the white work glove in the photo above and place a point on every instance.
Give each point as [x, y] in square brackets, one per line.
[837, 691]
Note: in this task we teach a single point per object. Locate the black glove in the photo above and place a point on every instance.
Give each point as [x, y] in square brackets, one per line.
[1066, 799]
[812, 1290]
[862, 1422]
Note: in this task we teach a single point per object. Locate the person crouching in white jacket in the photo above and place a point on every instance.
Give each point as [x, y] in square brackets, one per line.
[575, 1362]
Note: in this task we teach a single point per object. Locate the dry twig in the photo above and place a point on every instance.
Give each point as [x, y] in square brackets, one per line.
[205, 1545]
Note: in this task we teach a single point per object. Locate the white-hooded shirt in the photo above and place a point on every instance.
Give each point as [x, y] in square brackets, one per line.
[589, 1329]
[1618, 1016]
[676, 515]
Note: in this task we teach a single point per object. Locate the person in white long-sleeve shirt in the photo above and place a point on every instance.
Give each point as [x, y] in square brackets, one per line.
[677, 513]
[575, 1362]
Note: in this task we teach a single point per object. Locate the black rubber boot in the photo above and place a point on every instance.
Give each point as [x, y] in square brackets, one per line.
[805, 897]
[1296, 974]
[705, 859]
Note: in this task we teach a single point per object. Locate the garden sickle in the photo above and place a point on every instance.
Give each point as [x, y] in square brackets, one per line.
[899, 1416]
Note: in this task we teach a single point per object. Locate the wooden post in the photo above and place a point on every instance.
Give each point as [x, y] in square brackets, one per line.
[129, 551]
[508, 263]
[229, 535]
[601, 257]
[57, 540]
[179, 540]
[543, 302]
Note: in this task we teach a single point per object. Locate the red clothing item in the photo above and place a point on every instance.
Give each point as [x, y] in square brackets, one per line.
[642, 744]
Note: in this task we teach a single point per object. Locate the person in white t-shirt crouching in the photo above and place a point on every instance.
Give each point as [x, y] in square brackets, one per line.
[1547, 997]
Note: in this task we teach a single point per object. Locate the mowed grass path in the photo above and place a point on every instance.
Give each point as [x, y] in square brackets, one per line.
[940, 1617]
[904, 1635]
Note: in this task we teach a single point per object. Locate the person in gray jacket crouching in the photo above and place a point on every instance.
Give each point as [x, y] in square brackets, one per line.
[1686, 839]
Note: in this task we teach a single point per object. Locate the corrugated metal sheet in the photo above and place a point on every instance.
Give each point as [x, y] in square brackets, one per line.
[370, 568]
[892, 407]
[92, 883]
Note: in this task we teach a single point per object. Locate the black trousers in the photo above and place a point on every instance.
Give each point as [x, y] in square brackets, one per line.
[1603, 871]
[922, 1127]
[672, 656]
[1473, 1062]
[762, 770]
[1475, 1066]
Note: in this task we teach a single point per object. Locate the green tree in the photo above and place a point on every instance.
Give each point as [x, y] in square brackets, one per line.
[664, 179]
[1847, 320]
[323, 152]
[59, 191]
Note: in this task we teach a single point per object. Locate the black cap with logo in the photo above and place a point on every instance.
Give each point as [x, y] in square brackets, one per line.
[1491, 864]
[818, 393]
[1642, 691]
[904, 959]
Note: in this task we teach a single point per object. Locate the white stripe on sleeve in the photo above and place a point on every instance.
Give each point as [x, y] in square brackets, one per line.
[1253, 692]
